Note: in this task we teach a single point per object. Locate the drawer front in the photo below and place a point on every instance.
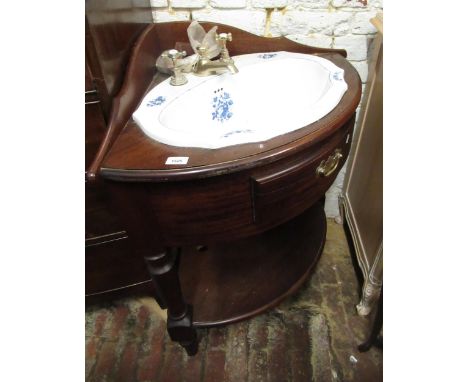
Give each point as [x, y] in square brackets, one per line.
[101, 219]
[112, 265]
[289, 188]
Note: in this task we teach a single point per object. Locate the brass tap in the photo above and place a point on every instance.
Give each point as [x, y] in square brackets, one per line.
[177, 78]
[205, 66]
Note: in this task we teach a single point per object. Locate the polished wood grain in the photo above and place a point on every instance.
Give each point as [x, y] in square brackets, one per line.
[139, 289]
[226, 206]
[111, 264]
[144, 155]
[95, 127]
[253, 206]
[285, 187]
[137, 157]
[163, 268]
[112, 27]
[235, 280]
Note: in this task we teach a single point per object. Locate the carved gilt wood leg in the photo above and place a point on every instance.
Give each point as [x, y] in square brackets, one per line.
[163, 268]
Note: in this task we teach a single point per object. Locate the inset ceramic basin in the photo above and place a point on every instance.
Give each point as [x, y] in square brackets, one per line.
[273, 94]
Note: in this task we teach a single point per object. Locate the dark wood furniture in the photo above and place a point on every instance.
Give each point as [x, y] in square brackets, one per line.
[257, 209]
[111, 30]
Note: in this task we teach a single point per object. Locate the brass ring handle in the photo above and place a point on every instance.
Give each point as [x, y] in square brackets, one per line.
[327, 167]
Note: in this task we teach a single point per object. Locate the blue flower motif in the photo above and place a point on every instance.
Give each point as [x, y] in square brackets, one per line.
[266, 56]
[236, 132]
[221, 104]
[156, 102]
[338, 76]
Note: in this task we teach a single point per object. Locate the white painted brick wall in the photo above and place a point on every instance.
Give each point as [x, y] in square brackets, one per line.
[362, 68]
[166, 16]
[228, 3]
[248, 19]
[349, 3]
[158, 3]
[308, 5]
[318, 40]
[323, 23]
[188, 3]
[356, 46]
[361, 25]
[269, 3]
[300, 22]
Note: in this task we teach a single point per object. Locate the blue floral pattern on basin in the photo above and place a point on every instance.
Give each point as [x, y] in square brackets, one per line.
[338, 76]
[266, 56]
[236, 132]
[156, 102]
[221, 105]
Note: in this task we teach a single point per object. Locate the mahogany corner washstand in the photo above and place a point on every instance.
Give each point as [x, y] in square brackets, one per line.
[237, 229]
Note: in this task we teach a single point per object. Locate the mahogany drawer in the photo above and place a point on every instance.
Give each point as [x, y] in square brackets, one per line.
[289, 188]
[112, 265]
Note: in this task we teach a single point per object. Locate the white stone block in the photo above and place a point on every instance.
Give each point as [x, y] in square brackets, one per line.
[301, 5]
[375, 3]
[250, 20]
[300, 22]
[363, 69]
[341, 29]
[188, 3]
[331, 207]
[292, 22]
[269, 3]
[356, 46]
[349, 3]
[317, 40]
[228, 3]
[158, 3]
[139, 3]
[165, 16]
[361, 23]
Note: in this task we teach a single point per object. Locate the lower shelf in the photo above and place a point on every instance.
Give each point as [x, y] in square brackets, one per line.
[229, 282]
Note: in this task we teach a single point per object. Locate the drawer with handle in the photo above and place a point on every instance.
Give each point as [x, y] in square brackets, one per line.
[285, 189]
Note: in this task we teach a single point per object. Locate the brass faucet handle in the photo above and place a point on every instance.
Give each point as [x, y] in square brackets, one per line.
[201, 50]
[177, 78]
[223, 37]
[174, 54]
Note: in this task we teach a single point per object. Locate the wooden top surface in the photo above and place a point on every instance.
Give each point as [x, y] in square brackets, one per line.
[135, 156]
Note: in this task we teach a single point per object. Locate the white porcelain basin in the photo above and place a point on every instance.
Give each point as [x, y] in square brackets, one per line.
[273, 94]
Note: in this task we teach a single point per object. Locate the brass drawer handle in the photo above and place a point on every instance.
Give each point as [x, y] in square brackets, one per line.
[327, 167]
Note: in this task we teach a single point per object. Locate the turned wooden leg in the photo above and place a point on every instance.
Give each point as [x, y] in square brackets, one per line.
[163, 268]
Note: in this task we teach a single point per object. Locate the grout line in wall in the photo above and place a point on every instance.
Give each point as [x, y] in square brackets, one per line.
[269, 12]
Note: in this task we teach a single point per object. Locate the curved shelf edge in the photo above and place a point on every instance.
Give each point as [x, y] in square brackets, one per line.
[234, 281]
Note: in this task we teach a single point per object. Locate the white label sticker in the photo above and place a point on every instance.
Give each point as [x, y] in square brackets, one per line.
[177, 160]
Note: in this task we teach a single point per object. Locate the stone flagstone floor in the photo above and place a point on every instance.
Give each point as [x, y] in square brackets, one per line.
[311, 336]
